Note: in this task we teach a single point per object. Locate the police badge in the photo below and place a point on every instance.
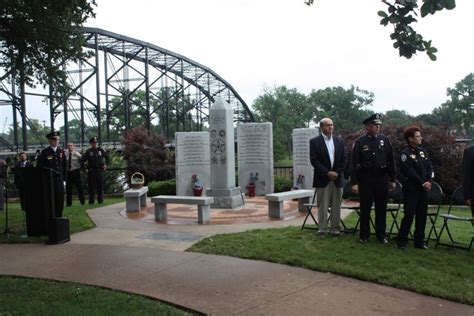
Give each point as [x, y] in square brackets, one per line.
[403, 157]
[422, 154]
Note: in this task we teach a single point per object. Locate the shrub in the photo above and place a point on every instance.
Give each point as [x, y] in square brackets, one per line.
[145, 152]
[167, 187]
[282, 184]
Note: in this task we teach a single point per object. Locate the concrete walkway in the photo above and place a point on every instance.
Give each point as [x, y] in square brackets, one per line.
[147, 259]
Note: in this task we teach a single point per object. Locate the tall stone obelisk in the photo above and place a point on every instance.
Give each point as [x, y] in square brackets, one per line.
[221, 129]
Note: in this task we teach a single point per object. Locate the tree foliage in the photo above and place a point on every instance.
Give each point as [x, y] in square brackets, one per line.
[286, 109]
[346, 107]
[401, 14]
[38, 38]
[145, 152]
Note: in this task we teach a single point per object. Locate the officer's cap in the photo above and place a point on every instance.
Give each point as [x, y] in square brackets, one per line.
[93, 140]
[373, 119]
[53, 135]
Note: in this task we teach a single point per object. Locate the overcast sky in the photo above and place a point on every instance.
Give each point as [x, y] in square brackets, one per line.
[254, 44]
[262, 43]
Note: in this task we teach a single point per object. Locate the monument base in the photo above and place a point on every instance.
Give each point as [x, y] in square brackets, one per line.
[226, 198]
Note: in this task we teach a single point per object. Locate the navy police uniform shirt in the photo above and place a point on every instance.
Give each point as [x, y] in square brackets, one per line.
[415, 166]
[96, 158]
[372, 156]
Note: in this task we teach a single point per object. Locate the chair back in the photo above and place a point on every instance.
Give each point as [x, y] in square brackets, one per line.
[396, 195]
[347, 192]
[457, 198]
[435, 197]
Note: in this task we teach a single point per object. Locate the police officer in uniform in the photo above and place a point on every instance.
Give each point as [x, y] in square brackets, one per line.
[53, 157]
[416, 171]
[373, 174]
[95, 160]
[73, 176]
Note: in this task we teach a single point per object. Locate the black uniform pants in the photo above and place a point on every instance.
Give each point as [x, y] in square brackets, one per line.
[373, 188]
[415, 205]
[95, 180]
[73, 179]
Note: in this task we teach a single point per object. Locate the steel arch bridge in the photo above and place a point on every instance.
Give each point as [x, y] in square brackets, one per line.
[127, 83]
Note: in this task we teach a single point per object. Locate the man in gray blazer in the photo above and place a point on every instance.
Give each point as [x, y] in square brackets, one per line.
[328, 157]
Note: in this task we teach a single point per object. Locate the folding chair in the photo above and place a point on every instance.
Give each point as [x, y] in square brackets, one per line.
[435, 197]
[353, 205]
[456, 199]
[309, 213]
[395, 197]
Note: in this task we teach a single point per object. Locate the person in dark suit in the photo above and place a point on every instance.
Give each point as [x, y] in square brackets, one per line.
[373, 172]
[19, 177]
[53, 158]
[416, 174]
[328, 159]
[468, 177]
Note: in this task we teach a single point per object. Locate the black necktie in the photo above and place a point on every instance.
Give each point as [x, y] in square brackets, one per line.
[69, 163]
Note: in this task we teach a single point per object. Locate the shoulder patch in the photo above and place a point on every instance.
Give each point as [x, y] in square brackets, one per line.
[403, 157]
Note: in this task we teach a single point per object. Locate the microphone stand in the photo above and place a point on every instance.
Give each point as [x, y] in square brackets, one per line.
[7, 229]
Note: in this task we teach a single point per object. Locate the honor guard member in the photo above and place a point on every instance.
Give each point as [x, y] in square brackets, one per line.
[416, 173]
[95, 160]
[373, 174]
[73, 176]
[53, 158]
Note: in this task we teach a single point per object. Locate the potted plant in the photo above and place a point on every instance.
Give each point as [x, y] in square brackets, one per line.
[196, 185]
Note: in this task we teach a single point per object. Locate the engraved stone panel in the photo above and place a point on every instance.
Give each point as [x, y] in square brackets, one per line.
[255, 156]
[192, 157]
[302, 169]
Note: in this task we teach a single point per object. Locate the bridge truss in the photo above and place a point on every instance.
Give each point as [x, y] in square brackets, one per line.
[126, 83]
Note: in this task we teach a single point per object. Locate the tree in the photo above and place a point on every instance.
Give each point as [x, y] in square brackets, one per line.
[397, 117]
[401, 14]
[38, 38]
[345, 107]
[462, 102]
[286, 109]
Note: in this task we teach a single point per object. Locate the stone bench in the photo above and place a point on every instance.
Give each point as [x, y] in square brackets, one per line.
[203, 203]
[135, 199]
[275, 201]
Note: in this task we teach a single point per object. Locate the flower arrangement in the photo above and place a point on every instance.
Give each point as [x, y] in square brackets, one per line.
[197, 185]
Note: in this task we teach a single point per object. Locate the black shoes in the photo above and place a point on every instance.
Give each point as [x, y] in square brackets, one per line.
[422, 247]
[383, 241]
[402, 247]
[363, 240]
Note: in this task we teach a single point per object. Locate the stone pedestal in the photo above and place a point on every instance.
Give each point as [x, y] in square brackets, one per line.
[221, 132]
[226, 198]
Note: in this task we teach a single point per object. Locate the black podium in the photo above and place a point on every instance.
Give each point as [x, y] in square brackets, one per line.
[39, 206]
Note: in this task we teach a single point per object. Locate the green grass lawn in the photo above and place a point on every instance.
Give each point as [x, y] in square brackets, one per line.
[284, 163]
[78, 220]
[25, 296]
[442, 272]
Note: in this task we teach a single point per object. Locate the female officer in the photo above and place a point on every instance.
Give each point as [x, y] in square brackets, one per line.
[416, 171]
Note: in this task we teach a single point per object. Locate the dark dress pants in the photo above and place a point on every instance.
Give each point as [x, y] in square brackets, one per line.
[73, 179]
[95, 180]
[415, 205]
[372, 189]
